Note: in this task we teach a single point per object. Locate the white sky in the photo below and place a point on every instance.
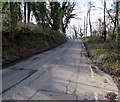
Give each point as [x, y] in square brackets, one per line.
[81, 11]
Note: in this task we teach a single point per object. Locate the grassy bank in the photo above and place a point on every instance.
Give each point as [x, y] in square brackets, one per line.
[105, 54]
[27, 39]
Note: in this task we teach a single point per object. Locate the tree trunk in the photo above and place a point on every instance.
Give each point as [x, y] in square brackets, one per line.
[13, 19]
[13, 15]
[114, 35]
[84, 27]
[90, 24]
[28, 18]
[86, 23]
[25, 12]
[19, 11]
[117, 21]
[64, 30]
[104, 32]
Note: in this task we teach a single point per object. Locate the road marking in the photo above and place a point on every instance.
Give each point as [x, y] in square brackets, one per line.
[91, 72]
[83, 45]
[96, 96]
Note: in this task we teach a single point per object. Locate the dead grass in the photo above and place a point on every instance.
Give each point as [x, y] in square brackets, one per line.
[105, 54]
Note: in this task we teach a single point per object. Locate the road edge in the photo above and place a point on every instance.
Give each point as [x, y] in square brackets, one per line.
[100, 66]
[23, 58]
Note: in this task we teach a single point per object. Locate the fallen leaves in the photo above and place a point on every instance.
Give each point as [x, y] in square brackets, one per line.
[105, 81]
[111, 96]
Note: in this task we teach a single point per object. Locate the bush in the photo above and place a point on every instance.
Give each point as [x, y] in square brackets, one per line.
[28, 38]
[105, 53]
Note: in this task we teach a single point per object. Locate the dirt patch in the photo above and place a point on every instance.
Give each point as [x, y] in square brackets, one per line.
[111, 96]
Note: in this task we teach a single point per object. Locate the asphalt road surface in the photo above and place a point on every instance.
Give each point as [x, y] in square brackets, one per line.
[63, 73]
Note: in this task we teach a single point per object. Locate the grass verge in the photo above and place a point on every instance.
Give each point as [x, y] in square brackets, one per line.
[105, 55]
[27, 39]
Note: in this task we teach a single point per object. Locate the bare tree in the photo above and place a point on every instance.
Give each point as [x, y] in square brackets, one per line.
[75, 31]
[84, 27]
[25, 4]
[104, 31]
[117, 22]
[87, 23]
[89, 11]
[100, 25]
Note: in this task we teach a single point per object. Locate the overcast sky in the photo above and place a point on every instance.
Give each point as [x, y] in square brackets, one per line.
[96, 12]
[81, 9]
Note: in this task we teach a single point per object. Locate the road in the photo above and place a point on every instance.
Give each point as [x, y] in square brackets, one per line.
[63, 73]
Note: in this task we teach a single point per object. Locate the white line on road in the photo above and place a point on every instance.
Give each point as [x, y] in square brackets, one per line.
[83, 45]
[91, 72]
[96, 96]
